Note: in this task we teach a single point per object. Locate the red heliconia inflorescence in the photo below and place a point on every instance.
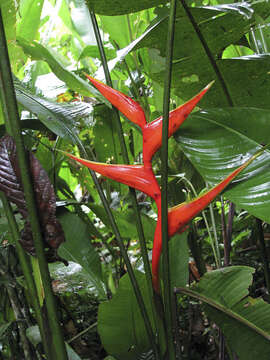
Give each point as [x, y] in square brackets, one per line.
[142, 178]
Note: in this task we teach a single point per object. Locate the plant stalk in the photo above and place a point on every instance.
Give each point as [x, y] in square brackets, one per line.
[264, 254]
[24, 262]
[13, 128]
[135, 207]
[168, 298]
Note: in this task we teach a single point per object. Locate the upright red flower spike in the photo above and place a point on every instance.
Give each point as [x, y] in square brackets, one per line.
[141, 177]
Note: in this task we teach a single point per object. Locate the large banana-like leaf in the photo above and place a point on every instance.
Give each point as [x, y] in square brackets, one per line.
[78, 248]
[219, 140]
[61, 119]
[120, 323]
[220, 26]
[119, 7]
[244, 321]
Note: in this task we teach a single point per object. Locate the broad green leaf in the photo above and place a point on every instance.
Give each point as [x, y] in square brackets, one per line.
[61, 119]
[30, 19]
[244, 321]
[246, 77]
[92, 51]
[220, 26]
[219, 140]
[106, 140]
[179, 257]
[120, 323]
[8, 9]
[78, 248]
[119, 7]
[74, 82]
[125, 222]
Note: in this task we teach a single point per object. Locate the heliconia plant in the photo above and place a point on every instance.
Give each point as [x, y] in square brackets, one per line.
[142, 178]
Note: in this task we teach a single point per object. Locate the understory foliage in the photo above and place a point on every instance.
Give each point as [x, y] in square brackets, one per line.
[211, 280]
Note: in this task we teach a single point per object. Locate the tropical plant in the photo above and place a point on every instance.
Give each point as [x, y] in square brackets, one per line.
[158, 57]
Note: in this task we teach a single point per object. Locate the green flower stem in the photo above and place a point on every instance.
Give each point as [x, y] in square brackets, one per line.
[13, 128]
[168, 298]
[24, 262]
[208, 53]
[135, 207]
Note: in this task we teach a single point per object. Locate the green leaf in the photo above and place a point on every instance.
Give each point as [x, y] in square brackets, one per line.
[119, 7]
[93, 51]
[74, 82]
[220, 26]
[61, 119]
[30, 19]
[120, 323]
[106, 141]
[179, 257]
[78, 248]
[225, 291]
[125, 222]
[188, 79]
[219, 140]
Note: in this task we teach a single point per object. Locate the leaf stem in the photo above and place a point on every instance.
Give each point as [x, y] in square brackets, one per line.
[26, 268]
[208, 53]
[264, 254]
[135, 207]
[13, 127]
[223, 309]
[168, 299]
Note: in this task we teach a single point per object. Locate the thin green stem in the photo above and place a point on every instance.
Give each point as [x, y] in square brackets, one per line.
[208, 54]
[13, 127]
[31, 287]
[264, 254]
[168, 299]
[135, 207]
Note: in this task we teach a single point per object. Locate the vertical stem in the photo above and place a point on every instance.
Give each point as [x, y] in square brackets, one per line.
[224, 235]
[216, 244]
[135, 207]
[196, 250]
[31, 287]
[13, 127]
[208, 53]
[264, 254]
[230, 222]
[20, 321]
[168, 300]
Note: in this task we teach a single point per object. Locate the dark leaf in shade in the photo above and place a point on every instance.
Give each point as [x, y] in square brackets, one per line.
[10, 184]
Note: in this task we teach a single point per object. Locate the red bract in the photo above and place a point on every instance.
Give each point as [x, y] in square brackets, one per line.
[141, 177]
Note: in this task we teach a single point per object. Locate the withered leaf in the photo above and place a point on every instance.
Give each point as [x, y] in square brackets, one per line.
[11, 185]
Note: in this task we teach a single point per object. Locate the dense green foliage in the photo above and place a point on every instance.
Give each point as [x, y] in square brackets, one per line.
[51, 45]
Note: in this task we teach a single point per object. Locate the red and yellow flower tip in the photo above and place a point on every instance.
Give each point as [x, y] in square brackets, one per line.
[180, 215]
[152, 132]
[130, 108]
[136, 176]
